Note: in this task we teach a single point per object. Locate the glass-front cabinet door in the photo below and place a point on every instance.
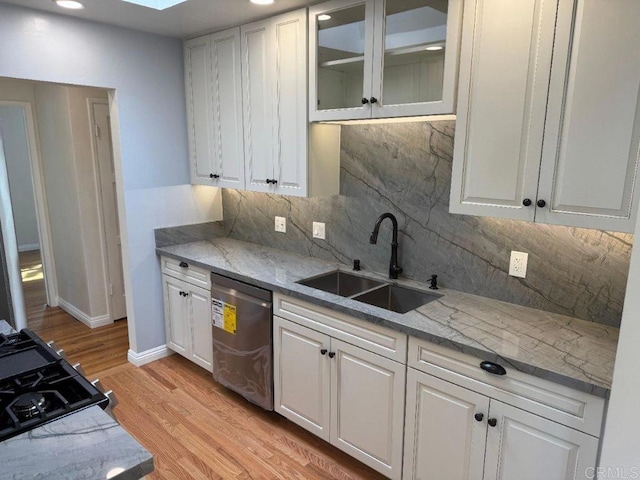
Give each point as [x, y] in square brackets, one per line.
[341, 56]
[383, 58]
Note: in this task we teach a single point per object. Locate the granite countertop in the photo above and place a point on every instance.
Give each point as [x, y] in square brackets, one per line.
[562, 349]
[82, 445]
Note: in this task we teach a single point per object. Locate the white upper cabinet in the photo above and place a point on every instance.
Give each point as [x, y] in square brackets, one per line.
[214, 109]
[275, 113]
[592, 135]
[548, 112]
[377, 58]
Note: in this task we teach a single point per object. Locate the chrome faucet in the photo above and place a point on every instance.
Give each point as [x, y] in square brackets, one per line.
[394, 268]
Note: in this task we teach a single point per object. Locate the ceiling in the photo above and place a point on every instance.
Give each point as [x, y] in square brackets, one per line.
[184, 20]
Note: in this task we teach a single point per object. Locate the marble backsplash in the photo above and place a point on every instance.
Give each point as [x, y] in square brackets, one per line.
[405, 169]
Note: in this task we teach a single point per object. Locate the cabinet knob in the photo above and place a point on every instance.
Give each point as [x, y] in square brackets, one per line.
[526, 202]
[479, 416]
[373, 100]
[492, 422]
[332, 354]
[541, 203]
[365, 100]
[323, 351]
[493, 368]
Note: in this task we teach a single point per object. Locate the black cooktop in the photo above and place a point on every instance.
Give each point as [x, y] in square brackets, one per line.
[37, 385]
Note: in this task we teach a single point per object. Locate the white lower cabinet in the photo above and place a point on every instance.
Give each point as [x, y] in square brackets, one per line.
[343, 379]
[463, 423]
[345, 394]
[187, 316]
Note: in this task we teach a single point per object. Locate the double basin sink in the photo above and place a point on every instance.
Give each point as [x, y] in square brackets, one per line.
[372, 292]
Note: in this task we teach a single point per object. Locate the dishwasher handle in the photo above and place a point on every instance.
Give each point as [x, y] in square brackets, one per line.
[219, 292]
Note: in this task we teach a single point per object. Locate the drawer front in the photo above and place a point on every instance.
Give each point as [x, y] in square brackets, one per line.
[197, 276]
[556, 402]
[371, 337]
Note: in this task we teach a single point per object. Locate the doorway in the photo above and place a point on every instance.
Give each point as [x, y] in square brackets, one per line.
[62, 189]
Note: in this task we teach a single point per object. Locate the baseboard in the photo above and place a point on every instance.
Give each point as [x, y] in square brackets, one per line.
[91, 322]
[28, 247]
[148, 356]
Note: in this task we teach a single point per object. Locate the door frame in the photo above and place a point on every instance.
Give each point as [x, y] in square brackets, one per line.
[40, 202]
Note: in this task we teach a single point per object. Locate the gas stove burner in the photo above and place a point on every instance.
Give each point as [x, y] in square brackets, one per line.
[28, 405]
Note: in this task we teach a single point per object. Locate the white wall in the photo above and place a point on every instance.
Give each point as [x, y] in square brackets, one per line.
[16, 149]
[620, 456]
[146, 72]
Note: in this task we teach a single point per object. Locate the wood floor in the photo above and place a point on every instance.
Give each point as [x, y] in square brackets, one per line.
[194, 428]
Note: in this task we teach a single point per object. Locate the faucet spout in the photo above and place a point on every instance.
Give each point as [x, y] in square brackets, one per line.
[394, 268]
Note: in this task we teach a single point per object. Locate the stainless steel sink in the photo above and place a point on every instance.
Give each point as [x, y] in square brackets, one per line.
[397, 299]
[340, 283]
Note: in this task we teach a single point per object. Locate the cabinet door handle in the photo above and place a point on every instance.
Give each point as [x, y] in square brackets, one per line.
[373, 100]
[365, 100]
[323, 351]
[541, 203]
[271, 180]
[479, 417]
[492, 422]
[526, 202]
[184, 264]
[332, 354]
[214, 175]
[493, 368]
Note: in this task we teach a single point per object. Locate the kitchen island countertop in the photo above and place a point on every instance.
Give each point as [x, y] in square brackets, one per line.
[87, 444]
[572, 352]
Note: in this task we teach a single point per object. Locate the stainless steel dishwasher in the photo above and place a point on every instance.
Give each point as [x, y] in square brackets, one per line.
[242, 339]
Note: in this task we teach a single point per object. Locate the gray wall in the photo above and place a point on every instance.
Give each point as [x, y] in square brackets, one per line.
[406, 169]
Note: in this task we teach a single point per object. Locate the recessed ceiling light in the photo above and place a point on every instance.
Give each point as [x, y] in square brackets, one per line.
[71, 4]
[434, 48]
[262, 2]
[324, 17]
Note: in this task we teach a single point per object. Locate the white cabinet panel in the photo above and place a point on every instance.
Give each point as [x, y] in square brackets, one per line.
[258, 109]
[443, 439]
[301, 376]
[290, 114]
[199, 306]
[227, 108]
[592, 140]
[214, 109]
[504, 75]
[197, 58]
[176, 324]
[524, 446]
[367, 407]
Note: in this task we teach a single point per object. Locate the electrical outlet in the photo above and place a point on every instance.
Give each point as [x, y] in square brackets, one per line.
[518, 264]
[281, 224]
[318, 230]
